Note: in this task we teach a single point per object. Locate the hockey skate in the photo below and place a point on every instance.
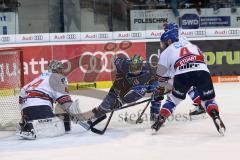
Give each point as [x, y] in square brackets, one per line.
[218, 122]
[153, 117]
[158, 123]
[81, 120]
[26, 131]
[88, 119]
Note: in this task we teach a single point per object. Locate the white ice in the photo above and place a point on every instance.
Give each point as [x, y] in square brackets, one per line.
[182, 138]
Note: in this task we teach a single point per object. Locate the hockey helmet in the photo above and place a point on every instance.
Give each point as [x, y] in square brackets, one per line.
[55, 66]
[170, 26]
[136, 64]
[170, 34]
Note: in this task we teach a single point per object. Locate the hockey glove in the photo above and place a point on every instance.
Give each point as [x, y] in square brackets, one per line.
[160, 90]
[158, 93]
[152, 87]
[21, 100]
[157, 97]
[136, 93]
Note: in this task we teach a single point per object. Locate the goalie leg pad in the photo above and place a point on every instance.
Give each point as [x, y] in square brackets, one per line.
[49, 127]
[66, 119]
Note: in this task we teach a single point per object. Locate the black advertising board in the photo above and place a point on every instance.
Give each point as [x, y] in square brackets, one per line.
[221, 56]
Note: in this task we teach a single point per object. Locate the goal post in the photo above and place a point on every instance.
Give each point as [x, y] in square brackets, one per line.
[11, 81]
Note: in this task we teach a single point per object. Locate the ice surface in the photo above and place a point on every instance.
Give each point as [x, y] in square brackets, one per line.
[182, 138]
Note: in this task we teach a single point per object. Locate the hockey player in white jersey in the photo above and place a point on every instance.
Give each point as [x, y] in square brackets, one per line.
[185, 62]
[193, 93]
[36, 104]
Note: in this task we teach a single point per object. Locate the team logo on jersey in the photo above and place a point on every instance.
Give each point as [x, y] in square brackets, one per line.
[189, 59]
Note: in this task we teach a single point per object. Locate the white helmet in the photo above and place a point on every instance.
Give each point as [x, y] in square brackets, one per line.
[55, 66]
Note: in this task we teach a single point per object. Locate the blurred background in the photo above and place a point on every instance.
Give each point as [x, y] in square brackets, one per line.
[54, 16]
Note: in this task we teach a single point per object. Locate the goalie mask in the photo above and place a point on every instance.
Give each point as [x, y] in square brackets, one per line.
[136, 64]
[55, 66]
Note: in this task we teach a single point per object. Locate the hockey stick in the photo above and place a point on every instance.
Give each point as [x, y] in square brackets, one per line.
[101, 132]
[139, 119]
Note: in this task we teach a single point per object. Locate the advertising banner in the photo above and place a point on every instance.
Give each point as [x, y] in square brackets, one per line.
[223, 32]
[189, 18]
[221, 56]
[129, 35]
[5, 39]
[83, 62]
[155, 34]
[9, 70]
[209, 18]
[150, 19]
[8, 23]
[56, 37]
[32, 38]
[91, 36]
[94, 62]
[193, 32]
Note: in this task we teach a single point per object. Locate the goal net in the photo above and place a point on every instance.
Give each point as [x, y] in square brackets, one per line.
[11, 80]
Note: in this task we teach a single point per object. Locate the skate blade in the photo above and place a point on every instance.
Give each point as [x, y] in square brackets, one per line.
[221, 129]
[197, 117]
[84, 125]
[27, 135]
[153, 132]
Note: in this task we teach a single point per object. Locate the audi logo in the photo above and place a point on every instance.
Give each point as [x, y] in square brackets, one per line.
[71, 36]
[233, 31]
[153, 59]
[200, 33]
[5, 39]
[102, 35]
[99, 61]
[38, 37]
[136, 34]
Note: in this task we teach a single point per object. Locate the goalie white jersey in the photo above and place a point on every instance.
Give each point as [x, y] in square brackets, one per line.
[181, 57]
[45, 90]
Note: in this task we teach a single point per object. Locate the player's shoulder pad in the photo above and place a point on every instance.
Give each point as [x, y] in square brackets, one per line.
[122, 64]
[58, 82]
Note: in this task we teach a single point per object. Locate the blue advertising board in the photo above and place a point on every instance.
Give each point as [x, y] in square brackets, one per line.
[218, 21]
[193, 21]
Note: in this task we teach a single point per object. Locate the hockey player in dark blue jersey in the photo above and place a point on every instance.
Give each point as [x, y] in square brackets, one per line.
[133, 80]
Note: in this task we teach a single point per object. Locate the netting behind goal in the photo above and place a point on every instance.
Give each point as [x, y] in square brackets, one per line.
[11, 80]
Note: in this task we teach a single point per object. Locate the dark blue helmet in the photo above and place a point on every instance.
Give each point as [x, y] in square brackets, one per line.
[170, 34]
[170, 26]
